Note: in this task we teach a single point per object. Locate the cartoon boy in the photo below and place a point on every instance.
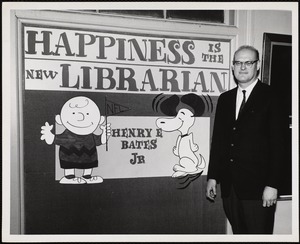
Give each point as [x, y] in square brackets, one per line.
[81, 117]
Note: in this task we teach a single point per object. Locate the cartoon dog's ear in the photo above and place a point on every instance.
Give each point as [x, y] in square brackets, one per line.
[58, 119]
[194, 101]
[168, 106]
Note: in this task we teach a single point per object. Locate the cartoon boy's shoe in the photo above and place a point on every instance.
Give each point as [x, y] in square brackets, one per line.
[92, 179]
[71, 179]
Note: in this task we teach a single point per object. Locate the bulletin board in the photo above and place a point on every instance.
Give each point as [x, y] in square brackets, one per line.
[128, 76]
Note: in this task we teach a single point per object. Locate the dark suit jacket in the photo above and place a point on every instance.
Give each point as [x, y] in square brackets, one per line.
[248, 153]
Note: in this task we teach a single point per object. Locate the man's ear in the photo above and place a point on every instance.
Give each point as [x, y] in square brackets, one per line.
[258, 65]
[102, 120]
[58, 119]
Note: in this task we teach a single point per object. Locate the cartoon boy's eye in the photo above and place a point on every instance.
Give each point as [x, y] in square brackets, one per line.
[87, 113]
[73, 112]
[183, 113]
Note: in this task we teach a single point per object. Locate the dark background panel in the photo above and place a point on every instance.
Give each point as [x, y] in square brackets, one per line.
[117, 206]
[120, 206]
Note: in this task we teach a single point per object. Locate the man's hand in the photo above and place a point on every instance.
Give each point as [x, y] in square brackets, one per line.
[211, 189]
[269, 196]
[47, 135]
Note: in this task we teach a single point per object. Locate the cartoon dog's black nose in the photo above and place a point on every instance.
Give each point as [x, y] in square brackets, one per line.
[162, 122]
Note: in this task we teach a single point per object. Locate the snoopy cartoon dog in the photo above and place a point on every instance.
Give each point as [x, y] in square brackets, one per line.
[183, 111]
[81, 117]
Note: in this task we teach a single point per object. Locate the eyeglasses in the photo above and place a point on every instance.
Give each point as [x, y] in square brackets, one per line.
[248, 64]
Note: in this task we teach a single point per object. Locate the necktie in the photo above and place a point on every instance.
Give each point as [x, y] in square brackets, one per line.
[243, 102]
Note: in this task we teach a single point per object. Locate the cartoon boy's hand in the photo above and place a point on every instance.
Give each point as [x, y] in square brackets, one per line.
[106, 132]
[47, 135]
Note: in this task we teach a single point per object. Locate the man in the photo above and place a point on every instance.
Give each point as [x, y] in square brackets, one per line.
[247, 148]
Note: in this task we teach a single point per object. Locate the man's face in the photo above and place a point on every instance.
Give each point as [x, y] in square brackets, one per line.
[242, 73]
[80, 115]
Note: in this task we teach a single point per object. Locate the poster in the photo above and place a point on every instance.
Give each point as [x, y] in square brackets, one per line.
[109, 65]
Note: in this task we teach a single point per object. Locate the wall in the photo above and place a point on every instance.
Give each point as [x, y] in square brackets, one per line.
[253, 23]
[278, 22]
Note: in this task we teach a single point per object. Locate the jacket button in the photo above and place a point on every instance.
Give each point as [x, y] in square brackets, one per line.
[232, 145]
[231, 160]
[234, 128]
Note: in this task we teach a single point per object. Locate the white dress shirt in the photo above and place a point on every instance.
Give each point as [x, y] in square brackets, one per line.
[239, 96]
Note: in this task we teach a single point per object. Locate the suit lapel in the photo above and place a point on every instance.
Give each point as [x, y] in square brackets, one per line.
[251, 102]
[233, 104]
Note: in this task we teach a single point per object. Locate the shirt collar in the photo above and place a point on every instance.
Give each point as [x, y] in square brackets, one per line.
[248, 89]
